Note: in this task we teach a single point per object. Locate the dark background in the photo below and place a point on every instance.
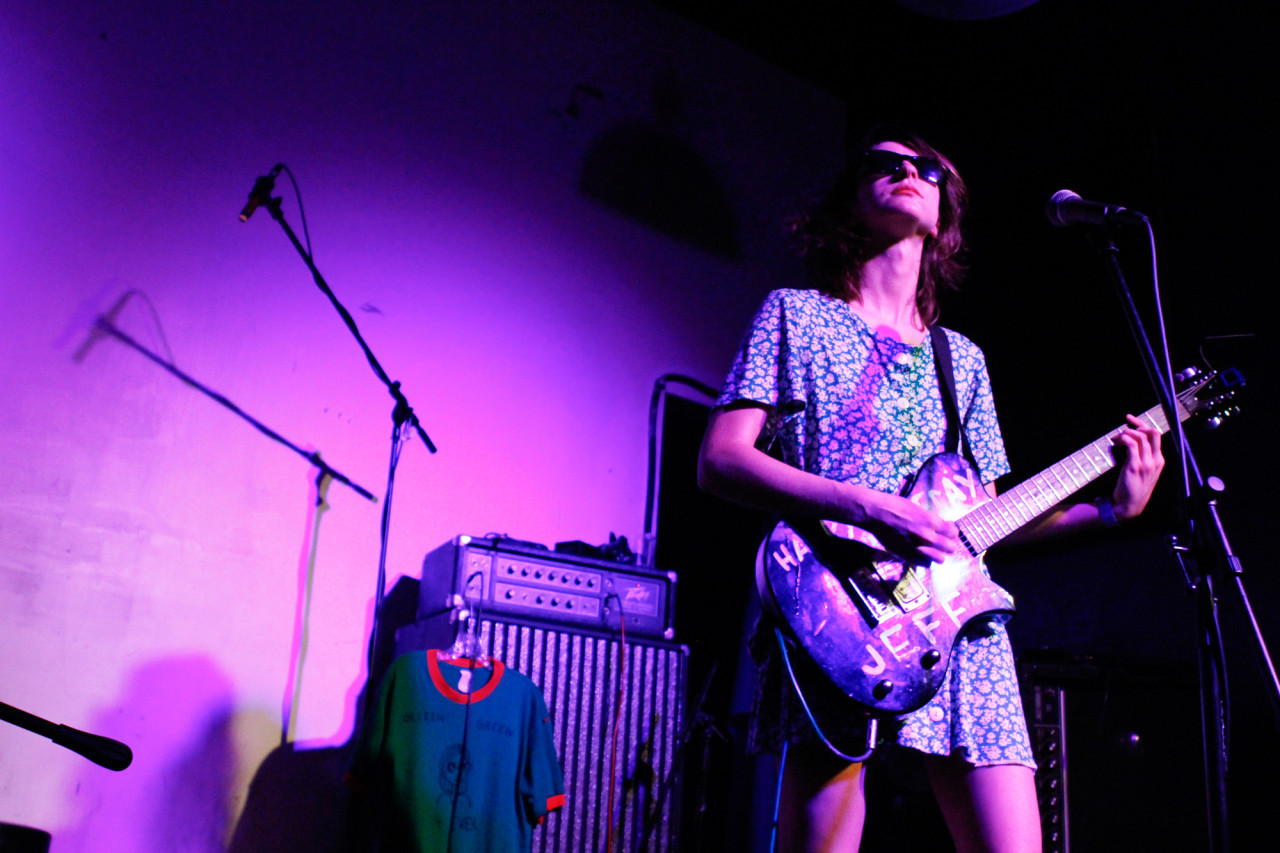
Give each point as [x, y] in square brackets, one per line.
[1161, 107]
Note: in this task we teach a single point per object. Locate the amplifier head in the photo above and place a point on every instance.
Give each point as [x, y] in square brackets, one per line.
[533, 583]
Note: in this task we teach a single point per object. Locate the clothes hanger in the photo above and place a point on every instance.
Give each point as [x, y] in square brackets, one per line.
[466, 645]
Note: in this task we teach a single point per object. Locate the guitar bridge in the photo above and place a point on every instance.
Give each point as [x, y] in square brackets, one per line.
[909, 592]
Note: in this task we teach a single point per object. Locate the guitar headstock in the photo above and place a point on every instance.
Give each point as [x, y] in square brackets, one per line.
[1209, 395]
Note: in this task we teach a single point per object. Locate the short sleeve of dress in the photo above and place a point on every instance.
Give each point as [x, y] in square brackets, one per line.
[757, 374]
[773, 368]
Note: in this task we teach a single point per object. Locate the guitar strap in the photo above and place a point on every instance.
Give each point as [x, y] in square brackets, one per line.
[957, 441]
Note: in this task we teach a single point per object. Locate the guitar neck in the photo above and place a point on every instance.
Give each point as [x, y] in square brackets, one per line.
[996, 519]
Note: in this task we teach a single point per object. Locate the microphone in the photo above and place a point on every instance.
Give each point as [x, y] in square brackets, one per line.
[261, 192]
[111, 754]
[97, 332]
[1066, 208]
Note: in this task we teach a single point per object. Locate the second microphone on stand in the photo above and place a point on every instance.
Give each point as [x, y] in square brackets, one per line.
[1066, 208]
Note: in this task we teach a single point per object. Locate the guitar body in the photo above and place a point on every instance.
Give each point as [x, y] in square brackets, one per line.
[882, 631]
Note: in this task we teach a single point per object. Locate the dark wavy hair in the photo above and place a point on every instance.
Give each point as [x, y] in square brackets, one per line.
[835, 246]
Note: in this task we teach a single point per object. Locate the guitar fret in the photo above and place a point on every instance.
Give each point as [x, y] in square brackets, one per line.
[1062, 490]
[1068, 471]
[1018, 510]
[1043, 502]
[1079, 470]
[1034, 490]
[1100, 459]
[993, 531]
[1082, 476]
[977, 528]
[1088, 468]
[1008, 527]
[992, 521]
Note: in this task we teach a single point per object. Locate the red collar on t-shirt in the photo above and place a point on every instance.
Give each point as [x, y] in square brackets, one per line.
[434, 659]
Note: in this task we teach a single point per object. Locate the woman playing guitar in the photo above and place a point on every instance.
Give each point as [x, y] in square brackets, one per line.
[840, 380]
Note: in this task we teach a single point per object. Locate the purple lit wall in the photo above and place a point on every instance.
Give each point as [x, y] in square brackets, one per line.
[153, 546]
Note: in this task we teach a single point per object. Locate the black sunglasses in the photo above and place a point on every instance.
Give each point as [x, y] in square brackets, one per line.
[881, 162]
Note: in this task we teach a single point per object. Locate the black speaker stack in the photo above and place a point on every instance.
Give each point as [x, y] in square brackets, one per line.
[1118, 745]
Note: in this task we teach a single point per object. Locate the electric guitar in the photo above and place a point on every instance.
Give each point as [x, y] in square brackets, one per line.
[882, 630]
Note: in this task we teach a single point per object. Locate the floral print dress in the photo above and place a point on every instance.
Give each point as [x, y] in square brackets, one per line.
[851, 405]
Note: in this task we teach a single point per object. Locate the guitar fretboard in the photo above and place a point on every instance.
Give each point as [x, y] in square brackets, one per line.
[992, 521]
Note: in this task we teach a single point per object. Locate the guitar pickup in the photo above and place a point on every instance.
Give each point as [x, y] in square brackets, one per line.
[870, 591]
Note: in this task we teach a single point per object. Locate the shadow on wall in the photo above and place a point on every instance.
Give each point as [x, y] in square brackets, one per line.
[649, 171]
[179, 706]
[297, 801]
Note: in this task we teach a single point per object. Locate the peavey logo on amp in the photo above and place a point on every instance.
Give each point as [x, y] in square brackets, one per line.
[637, 597]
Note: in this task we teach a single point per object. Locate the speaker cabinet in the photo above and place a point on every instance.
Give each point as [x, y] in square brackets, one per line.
[1119, 751]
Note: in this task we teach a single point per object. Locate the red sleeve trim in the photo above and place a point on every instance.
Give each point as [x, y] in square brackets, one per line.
[553, 803]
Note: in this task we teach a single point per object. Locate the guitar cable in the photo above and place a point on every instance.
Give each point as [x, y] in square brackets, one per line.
[617, 719]
[777, 797]
[872, 726]
[872, 722]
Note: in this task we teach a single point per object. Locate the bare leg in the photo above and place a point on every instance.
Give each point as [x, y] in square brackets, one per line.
[987, 809]
[823, 804]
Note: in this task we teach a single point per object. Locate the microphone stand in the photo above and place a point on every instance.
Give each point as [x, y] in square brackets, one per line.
[1207, 542]
[403, 421]
[697, 723]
